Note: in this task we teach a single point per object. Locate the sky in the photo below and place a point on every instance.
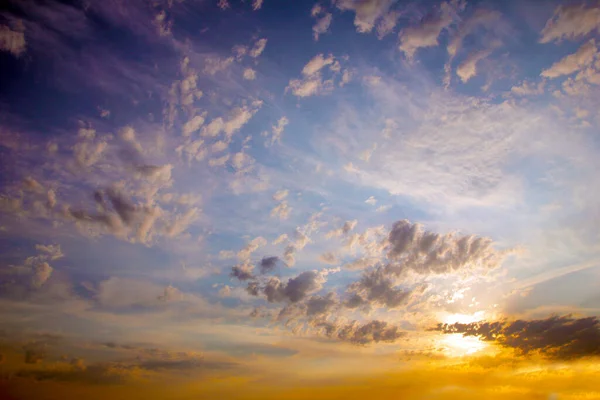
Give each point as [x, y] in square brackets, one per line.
[271, 199]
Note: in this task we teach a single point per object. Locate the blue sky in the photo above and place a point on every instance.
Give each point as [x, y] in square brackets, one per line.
[404, 163]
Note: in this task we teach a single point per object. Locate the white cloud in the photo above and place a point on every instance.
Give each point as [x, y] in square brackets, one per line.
[310, 86]
[41, 273]
[528, 89]
[257, 4]
[193, 124]
[235, 120]
[182, 222]
[251, 247]
[316, 64]
[214, 64]
[280, 239]
[219, 162]
[571, 22]
[12, 41]
[383, 208]
[368, 12]
[481, 17]
[281, 211]
[280, 195]
[276, 132]
[127, 134]
[258, 48]
[426, 33]
[52, 251]
[88, 153]
[371, 201]
[322, 25]
[387, 24]
[583, 57]
[329, 258]
[457, 148]
[343, 230]
[249, 74]
[219, 146]
[468, 68]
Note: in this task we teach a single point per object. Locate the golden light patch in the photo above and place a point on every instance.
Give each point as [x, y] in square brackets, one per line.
[457, 345]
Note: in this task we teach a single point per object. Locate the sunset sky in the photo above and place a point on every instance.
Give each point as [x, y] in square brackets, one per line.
[289, 199]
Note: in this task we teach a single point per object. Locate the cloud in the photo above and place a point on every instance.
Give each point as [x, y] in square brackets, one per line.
[328, 258]
[219, 161]
[312, 82]
[343, 230]
[555, 337]
[182, 222]
[468, 68]
[377, 288]
[223, 4]
[433, 253]
[294, 290]
[367, 12]
[193, 124]
[387, 23]
[528, 89]
[12, 41]
[321, 305]
[276, 132]
[88, 152]
[362, 334]
[281, 211]
[322, 25]
[32, 185]
[251, 247]
[371, 201]
[257, 4]
[583, 57]
[481, 18]
[249, 74]
[242, 271]
[317, 63]
[280, 195]
[41, 273]
[268, 264]
[235, 120]
[571, 22]
[258, 48]
[53, 251]
[426, 33]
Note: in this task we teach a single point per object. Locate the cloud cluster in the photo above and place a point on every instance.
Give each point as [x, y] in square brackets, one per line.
[12, 41]
[554, 337]
[33, 274]
[312, 82]
[582, 58]
[323, 20]
[426, 32]
[362, 334]
[368, 13]
[413, 248]
[571, 22]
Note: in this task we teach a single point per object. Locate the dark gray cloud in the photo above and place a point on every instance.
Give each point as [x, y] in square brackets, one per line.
[321, 305]
[554, 337]
[295, 290]
[413, 248]
[268, 264]
[362, 334]
[124, 208]
[379, 289]
[242, 271]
